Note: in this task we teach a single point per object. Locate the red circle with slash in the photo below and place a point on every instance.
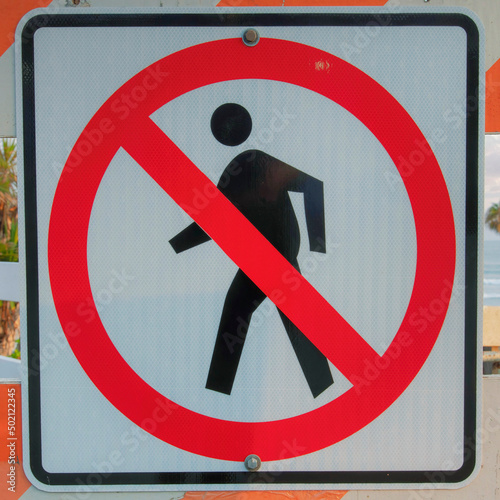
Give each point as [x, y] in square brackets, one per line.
[114, 126]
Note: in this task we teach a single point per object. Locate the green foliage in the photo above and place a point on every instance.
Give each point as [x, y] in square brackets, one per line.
[8, 201]
[9, 329]
[17, 351]
[9, 247]
[492, 218]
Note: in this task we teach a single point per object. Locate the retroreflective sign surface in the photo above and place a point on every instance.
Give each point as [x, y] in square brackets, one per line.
[251, 248]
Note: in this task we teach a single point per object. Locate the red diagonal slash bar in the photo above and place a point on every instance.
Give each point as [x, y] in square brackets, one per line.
[249, 250]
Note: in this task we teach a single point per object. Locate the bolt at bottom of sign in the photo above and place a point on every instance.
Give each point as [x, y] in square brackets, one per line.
[253, 463]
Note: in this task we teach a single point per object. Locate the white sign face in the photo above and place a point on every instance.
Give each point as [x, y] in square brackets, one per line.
[248, 235]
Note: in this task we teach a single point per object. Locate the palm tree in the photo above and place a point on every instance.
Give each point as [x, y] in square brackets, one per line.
[9, 311]
[8, 201]
[492, 219]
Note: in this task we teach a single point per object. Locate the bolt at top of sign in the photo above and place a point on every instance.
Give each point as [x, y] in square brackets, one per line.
[251, 37]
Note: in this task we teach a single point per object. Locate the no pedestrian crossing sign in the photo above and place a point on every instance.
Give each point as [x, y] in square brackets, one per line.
[250, 248]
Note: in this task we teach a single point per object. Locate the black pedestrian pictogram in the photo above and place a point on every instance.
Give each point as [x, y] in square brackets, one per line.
[258, 185]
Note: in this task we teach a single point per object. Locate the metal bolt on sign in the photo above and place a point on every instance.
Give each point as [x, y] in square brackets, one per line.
[251, 37]
[253, 463]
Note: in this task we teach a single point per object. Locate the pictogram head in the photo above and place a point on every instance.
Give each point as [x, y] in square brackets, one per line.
[231, 124]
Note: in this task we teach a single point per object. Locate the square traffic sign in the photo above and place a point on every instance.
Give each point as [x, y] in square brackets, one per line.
[251, 248]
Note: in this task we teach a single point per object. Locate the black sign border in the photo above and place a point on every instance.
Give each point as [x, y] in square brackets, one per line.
[93, 479]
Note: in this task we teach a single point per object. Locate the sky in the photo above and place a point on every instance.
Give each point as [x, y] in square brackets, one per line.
[492, 178]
